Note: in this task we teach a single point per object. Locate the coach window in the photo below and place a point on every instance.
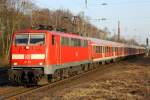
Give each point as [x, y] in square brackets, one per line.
[102, 49]
[85, 43]
[105, 49]
[53, 39]
[114, 49]
[96, 49]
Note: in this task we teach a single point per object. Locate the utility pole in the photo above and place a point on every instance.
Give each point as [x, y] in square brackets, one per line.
[147, 46]
[118, 30]
[86, 3]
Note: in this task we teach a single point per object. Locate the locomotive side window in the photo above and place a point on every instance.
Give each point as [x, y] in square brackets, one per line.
[78, 42]
[37, 39]
[22, 39]
[75, 42]
[64, 41]
[85, 43]
[53, 39]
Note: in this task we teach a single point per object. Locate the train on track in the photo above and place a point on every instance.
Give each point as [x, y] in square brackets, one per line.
[39, 56]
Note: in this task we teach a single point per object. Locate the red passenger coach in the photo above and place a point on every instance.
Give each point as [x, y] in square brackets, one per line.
[108, 51]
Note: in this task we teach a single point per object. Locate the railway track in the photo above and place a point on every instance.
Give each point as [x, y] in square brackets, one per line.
[27, 92]
[14, 92]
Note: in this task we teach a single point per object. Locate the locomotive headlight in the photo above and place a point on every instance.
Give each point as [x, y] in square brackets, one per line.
[40, 63]
[15, 63]
[27, 47]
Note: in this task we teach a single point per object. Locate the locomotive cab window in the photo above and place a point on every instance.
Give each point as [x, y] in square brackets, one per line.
[29, 39]
[21, 39]
[84, 43]
[37, 39]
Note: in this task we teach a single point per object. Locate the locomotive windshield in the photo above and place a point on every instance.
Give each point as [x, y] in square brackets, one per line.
[22, 39]
[37, 39]
[30, 39]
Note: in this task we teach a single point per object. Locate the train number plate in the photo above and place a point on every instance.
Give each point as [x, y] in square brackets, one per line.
[27, 56]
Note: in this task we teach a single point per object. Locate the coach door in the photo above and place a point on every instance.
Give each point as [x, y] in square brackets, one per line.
[56, 49]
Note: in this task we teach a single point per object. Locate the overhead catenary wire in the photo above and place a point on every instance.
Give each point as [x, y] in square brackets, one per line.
[130, 2]
[112, 3]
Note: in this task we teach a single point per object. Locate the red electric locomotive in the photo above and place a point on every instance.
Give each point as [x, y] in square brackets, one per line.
[41, 53]
[39, 56]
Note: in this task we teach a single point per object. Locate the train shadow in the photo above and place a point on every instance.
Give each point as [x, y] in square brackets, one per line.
[139, 60]
[4, 79]
[5, 82]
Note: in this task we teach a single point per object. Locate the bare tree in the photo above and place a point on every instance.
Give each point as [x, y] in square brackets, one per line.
[12, 14]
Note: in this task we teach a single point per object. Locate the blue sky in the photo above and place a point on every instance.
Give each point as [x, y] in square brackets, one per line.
[134, 15]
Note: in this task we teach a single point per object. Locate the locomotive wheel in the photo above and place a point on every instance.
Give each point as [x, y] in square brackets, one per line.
[86, 67]
[65, 73]
[55, 77]
[44, 80]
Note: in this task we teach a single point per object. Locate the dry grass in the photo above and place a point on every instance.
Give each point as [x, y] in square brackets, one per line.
[130, 84]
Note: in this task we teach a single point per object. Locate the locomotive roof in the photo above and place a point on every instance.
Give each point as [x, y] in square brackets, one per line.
[69, 35]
